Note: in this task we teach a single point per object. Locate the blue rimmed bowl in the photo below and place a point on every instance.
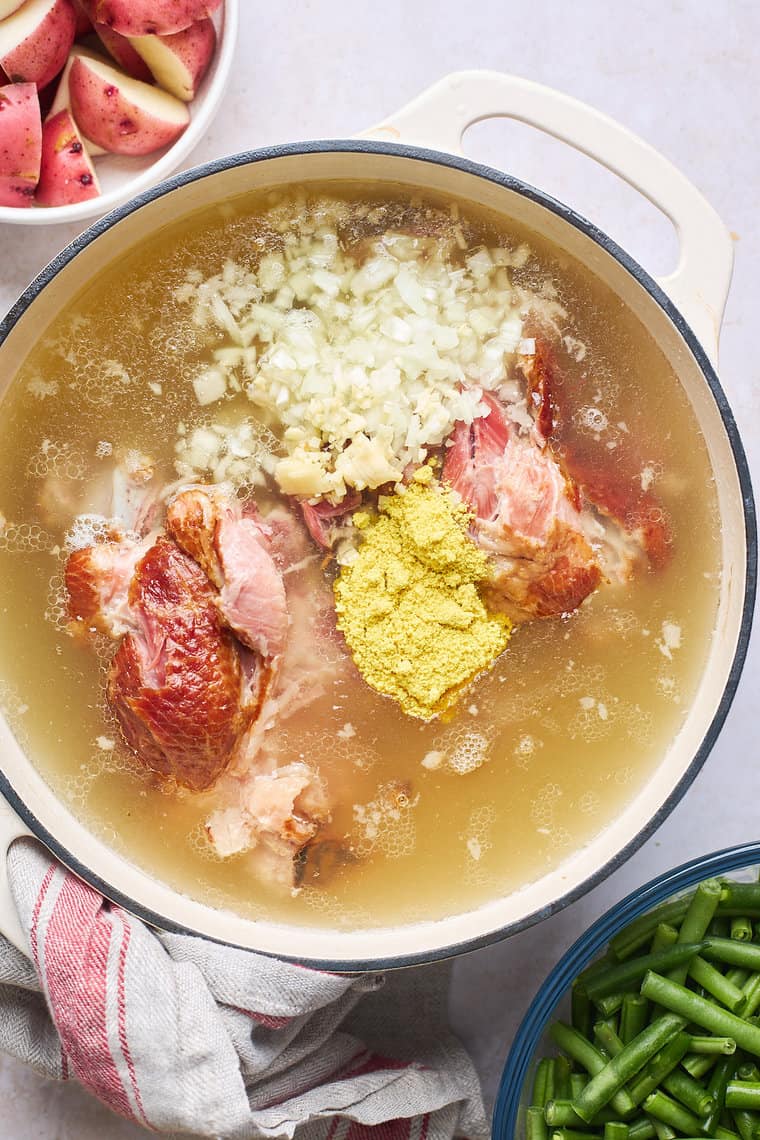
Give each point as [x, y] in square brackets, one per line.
[553, 998]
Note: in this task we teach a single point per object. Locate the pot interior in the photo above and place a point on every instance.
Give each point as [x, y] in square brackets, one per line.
[352, 948]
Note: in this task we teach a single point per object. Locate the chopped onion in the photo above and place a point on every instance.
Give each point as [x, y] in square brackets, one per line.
[378, 360]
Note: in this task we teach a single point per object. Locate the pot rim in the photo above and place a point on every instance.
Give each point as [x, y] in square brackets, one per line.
[644, 279]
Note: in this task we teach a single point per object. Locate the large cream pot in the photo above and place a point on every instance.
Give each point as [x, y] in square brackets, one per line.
[420, 147]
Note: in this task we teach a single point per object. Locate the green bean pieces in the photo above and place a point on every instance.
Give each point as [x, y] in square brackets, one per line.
[535, 1125]
[741, 928]
[717, 1087]
[665, 1036]
[734, 953]
[630, 972]
[665, 1061]
[610, 1080]
[694, 1008]
[725, 1045]
[743, 1094]
[582, 1051]
[634, 1014]
[626, 942]
[696, 920]
[543, 1082]
[717, 984]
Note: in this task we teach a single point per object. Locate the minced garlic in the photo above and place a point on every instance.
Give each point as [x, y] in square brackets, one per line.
[409, 605]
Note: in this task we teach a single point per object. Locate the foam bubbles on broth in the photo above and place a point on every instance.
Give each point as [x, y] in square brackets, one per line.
[568, 724]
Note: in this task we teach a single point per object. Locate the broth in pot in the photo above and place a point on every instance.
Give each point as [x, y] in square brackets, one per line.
[360, 556]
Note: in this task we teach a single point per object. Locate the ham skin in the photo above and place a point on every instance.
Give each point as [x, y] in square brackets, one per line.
[232, 548]
[526, 517]
[175, 680]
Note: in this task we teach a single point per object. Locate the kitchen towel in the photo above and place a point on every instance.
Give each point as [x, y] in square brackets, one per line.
[179, 1034]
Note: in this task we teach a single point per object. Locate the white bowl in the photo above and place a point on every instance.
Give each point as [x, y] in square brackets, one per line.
[122, 177]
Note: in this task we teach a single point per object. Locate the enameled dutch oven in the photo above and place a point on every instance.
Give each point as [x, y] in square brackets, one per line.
[420, 147]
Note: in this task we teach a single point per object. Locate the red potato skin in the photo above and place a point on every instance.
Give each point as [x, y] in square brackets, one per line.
[20, 144]
[46, 97]
[40, 57]
[149, 17]
[84, 23]
[194, 47]
[66, 173]
[112, 121]
[120, 49]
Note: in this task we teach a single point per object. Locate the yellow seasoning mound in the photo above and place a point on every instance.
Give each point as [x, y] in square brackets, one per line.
[409, 605]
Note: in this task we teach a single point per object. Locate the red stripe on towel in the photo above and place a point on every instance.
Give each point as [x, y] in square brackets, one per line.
[392, 1130]
[267, 1021]
[122, 1008]
[77, 942]
[36, 915]
[372, 1063]
[34, 943]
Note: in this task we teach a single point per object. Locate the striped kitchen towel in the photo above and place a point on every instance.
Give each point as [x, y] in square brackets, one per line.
[182, 1035]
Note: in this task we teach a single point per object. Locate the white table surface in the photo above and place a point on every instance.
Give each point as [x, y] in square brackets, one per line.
[682, 73]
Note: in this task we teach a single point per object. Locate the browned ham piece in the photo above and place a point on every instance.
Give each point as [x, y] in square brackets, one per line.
[233, 550]
[614, 486]
[555, 521]
[527, 517]
[203, 619]
[184, 690]
[175, 682]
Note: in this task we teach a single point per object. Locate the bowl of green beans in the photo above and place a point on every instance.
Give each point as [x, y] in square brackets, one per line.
[649, 1027]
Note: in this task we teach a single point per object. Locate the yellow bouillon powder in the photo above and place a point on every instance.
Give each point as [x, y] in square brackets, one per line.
[409, 606]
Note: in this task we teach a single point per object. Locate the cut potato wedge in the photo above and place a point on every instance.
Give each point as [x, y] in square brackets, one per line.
[20, 143]
[121, 49]
[36, 39]
[62, 100]
[122, 114]
[84, 23]
[179, 62]
[149, 17]
[66, 172]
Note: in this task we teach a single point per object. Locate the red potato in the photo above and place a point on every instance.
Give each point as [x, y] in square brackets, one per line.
[20, 144]
[120, 113]
[84, 23]
[179, 62]
[121, 49]
[36, 39]
[66, 172]
[149, 17]
[62, 100]
[46, 97]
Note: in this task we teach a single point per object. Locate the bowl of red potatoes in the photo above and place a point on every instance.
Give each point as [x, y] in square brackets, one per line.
[100, 99]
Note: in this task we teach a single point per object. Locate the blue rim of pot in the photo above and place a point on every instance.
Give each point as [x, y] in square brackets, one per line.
[439, 158]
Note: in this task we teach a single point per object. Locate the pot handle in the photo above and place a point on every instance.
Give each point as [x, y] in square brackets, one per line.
[11, 828]
[440, 115]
